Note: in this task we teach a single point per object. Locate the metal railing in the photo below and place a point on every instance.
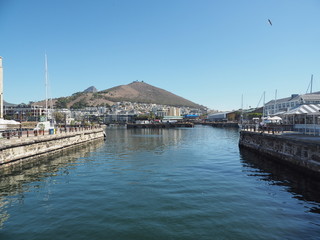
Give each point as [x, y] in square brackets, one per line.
[269, 128]
[23, 133]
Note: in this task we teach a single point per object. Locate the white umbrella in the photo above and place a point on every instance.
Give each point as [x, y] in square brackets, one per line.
[276, 118]
[12, 122]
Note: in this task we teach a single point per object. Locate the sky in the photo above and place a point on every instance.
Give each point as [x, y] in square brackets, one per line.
[223, 54]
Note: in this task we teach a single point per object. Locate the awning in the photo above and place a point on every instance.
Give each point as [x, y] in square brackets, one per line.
[8, 122]
[275, 118]
[309, 109]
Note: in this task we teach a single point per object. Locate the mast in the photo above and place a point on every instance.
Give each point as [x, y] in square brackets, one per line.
[264, 102]
[46, 83]
[241, 120]
[275, 102]
[310, 84]
[1, 89]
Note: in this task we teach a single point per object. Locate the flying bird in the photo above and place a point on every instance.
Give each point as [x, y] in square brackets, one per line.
[270, 22]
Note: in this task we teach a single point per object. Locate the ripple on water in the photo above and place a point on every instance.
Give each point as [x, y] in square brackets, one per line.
[159, 184]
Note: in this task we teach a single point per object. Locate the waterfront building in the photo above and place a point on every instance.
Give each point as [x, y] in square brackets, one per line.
[279, 106]
[25, 112]
[119, 118]
[172, 119]
[173, 111]
[161, 112]
[300, 111]
[218, 117]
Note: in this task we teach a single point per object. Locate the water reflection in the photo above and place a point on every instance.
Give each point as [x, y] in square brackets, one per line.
[14, 178]
[300, 185]
[132, 140]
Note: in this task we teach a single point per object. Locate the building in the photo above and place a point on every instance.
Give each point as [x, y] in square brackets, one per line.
[25, 112]
[230, 116]
[119, 118]
[282, 105]
[218, 117]
[173, 111]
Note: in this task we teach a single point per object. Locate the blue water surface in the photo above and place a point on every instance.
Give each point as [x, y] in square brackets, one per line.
[187, 183]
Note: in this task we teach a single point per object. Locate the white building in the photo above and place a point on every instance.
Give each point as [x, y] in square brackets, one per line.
[218, 117]
[286, 104]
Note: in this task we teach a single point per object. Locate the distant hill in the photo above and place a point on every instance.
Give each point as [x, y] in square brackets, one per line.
[91, 89]
[139, 92]
[8, 104]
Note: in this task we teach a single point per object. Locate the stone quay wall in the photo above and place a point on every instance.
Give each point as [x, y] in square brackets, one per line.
[300, 152]
[32, 147]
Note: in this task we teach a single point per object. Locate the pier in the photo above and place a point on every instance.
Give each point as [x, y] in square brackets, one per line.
[297, 150]
[225, 124]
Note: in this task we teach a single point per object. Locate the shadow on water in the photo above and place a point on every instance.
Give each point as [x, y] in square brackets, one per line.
[14, 178]
[300, 185]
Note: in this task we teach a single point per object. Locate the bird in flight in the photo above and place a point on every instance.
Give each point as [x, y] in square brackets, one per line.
[270, 22]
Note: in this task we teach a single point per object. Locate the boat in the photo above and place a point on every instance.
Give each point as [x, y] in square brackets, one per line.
[45, 125]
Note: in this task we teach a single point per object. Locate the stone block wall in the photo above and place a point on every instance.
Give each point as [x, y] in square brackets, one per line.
[25, 148]
[300, 152]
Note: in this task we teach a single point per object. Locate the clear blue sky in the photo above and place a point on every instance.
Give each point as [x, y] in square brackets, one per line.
[208, 51]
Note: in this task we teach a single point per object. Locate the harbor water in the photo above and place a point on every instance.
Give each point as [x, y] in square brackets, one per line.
[183, 183]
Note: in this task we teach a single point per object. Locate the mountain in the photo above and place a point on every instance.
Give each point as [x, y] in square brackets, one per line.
[8, 104]
[145, 93]
[139, 92]
[91, 89]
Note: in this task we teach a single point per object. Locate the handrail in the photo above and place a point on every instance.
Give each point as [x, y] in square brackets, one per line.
[21, 133]
[269, 128]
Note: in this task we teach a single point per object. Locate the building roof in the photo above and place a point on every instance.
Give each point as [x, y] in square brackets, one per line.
[295, 97]
[172, 118]
[281, 100]
[305, 109]
[311, 96]
[6, 104]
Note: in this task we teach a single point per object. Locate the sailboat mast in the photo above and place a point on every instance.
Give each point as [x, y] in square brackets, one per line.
[264, 102]
[241, 120]
[275, 102]
[46, 84]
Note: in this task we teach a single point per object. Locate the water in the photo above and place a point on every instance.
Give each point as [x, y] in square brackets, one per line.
[191, 183]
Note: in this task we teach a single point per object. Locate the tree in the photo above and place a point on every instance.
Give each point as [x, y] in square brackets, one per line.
[61, 103]
[59, 117]
[81, 104]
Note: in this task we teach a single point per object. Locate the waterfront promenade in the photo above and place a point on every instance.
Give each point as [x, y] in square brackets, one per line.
[299, 150]
[285, 132]
[24, 145]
